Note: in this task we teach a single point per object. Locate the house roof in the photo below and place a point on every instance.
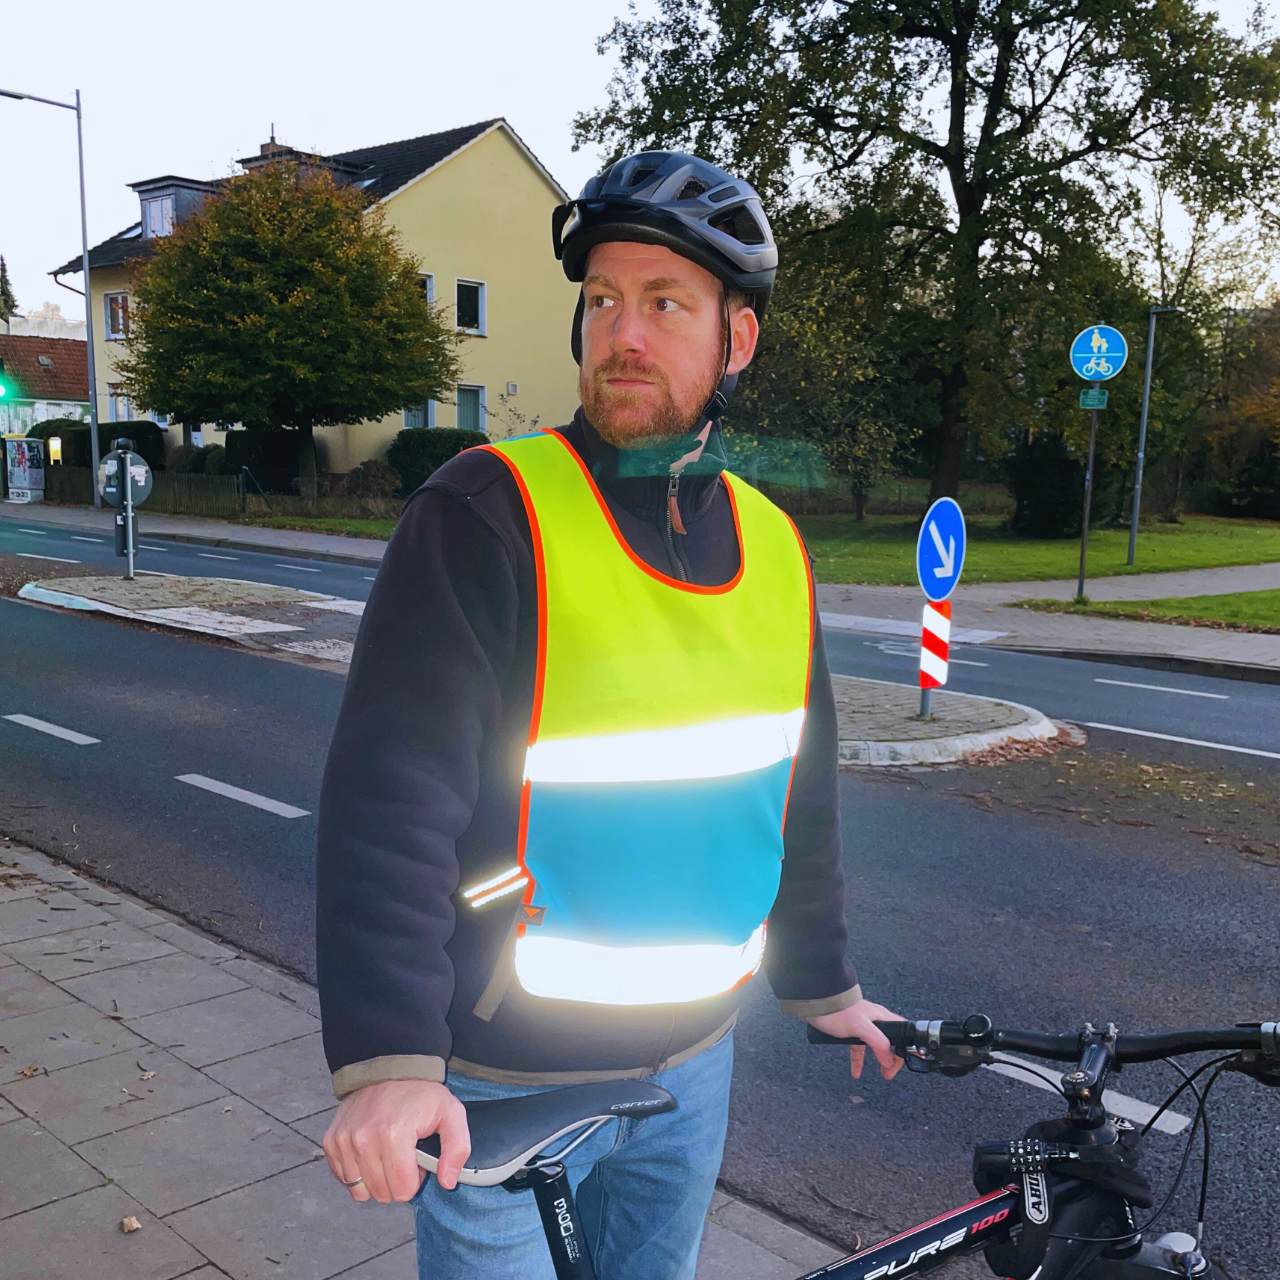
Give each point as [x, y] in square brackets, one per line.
[46, 368]
[378, 171]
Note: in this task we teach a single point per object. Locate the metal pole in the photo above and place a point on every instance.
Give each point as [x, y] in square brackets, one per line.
[1088, 501]
[125, 459]
[1142, 433]
[926, 704]
[88, 320]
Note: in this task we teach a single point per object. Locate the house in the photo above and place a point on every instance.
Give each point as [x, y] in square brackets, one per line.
[473, 205]
[42, 378]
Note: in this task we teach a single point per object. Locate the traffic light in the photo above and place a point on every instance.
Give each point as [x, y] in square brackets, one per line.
[8, 387]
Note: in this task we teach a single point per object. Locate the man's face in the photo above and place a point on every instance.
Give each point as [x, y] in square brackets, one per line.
[653, 342]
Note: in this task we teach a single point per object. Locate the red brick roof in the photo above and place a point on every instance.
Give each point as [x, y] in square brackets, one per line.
[63, 375]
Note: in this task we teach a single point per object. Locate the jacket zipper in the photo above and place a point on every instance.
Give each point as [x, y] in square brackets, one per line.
[673, 486]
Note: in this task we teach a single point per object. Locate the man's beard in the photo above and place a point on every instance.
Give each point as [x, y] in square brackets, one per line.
[632, 419]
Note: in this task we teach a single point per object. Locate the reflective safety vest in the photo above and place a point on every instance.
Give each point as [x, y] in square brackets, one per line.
[666, 721]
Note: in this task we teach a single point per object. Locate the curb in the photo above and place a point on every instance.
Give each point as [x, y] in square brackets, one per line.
[1219, 667]
[233, 544]
[1035, 728]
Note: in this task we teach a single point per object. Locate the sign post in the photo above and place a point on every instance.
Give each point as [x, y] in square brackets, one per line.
[125, 480]
[1097, 354]
[940, 548]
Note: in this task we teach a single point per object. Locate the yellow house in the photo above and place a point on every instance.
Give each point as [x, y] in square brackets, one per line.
[473, 205]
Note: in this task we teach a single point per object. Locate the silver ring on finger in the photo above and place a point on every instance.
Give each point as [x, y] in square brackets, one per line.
[355, 1182]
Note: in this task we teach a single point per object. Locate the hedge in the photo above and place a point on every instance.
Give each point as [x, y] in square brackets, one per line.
[415, 453]
[148, 439]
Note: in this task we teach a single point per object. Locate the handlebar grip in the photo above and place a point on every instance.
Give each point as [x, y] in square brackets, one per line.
[901, 1035]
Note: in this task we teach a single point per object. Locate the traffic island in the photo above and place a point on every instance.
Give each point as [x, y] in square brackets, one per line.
[880, 725]
[258, 615]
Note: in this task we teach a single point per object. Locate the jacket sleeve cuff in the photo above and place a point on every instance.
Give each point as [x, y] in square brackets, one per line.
[396, 1066]
[826, 1004]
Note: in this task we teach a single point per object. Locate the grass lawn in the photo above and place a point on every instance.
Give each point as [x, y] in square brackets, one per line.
[881, 549]
[1241, 611]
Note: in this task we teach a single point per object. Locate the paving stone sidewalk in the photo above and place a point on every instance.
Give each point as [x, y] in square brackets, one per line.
[148, 1071]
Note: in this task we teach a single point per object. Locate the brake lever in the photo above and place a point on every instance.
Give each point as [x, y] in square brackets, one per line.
[950, 1060]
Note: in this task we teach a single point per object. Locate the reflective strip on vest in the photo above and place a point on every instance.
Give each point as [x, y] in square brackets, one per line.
[666, 721]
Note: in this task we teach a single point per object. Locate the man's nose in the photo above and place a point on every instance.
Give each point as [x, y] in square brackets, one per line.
[627, 331]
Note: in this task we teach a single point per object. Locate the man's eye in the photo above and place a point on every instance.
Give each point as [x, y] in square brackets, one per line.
[667, 304]
[599, 301]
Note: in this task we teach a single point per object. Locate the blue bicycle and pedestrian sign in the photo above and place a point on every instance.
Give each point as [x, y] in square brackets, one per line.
[1098, 352]
[940, 549]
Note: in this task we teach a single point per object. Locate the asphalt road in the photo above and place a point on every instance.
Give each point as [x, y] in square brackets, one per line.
[969, 890]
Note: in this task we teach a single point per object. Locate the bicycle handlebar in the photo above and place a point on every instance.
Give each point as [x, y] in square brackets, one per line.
[977, 1033]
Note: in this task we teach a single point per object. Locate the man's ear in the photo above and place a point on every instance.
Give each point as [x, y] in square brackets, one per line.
[744, 329]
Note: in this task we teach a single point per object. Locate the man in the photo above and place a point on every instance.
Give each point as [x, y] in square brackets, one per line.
[585, 761]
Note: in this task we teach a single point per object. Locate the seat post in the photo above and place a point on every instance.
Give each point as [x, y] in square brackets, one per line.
[550, 1186]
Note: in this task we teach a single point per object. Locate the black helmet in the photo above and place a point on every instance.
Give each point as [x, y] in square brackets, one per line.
[679, 201]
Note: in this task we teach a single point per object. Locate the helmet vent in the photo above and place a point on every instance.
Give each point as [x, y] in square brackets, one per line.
[642, 175]
[692, 190]
[739, 224]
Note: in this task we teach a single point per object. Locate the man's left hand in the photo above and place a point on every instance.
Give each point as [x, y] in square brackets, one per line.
[860, 1020]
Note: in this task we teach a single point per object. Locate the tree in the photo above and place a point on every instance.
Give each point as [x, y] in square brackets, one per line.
[286, 302]
[8, 303]
[1031, 117]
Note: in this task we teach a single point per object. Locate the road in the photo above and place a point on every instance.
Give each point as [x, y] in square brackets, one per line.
[1042, 893]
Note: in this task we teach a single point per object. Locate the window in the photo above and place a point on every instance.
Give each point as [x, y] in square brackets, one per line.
[420, 415]
[117, 306]
[471, 413]
[428, 286]
[471, 307]
[157, 216]
[118, 407]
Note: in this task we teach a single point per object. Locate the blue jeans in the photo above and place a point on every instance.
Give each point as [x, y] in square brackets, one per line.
[643, 1189]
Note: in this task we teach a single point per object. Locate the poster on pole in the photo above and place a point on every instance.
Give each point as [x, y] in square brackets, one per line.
[24, 469]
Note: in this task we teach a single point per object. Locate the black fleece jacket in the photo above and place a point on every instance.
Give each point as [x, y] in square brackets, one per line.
[422, 786]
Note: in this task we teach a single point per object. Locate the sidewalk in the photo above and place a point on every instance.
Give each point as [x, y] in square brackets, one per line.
[147, 1072]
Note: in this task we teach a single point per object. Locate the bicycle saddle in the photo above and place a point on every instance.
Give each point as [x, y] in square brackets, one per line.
[508, 1132]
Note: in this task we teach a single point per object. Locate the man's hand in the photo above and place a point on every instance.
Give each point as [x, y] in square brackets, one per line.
[375, 1134]
[859, 1020]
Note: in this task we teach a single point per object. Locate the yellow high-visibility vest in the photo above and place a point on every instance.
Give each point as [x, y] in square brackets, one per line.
[666, 721]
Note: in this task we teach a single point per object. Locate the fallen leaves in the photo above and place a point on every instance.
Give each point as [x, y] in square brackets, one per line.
[35, 1069]
[130, 1224]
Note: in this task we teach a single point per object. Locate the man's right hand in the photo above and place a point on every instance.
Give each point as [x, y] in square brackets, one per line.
[375, 1133]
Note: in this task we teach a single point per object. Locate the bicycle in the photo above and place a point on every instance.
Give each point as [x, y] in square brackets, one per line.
[1056, 1204]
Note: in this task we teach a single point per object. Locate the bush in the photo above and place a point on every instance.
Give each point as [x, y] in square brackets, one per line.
[187, 460]
[271, 455]
[372, 479]
[148, 439]
[1047, 483]
[216, 462]
[415, 453]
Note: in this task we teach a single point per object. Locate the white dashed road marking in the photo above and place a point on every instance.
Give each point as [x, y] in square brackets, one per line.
[297, 568]
[1191, 742]
[40, 533]
[1161, 688]
[210, 555]
[368, 577]
[245, 797]
[148, 547]
[80, 537]
[54, 730]
[31, 555]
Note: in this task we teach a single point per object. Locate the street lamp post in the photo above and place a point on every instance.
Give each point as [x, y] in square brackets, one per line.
[88, 293]
[1152, 312]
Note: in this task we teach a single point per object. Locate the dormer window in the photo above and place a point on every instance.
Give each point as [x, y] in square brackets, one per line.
[157, 216]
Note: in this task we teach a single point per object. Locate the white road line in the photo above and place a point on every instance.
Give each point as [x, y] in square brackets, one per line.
[368, 577]
[54, 730]
[146, 546]
[1161, 688]
[40, 533]
[1191, 742]
[245, 797]
[79, 537]
[155, 573]
[31, 555]
[1119, 1104]
[209, 555]
[297, 568]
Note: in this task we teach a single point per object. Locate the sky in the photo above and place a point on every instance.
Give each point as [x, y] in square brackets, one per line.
[189, 89]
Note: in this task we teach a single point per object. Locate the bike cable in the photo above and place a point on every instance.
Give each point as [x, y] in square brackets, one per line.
[1031, 1071]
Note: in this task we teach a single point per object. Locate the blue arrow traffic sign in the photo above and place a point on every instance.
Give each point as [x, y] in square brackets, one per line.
[940, 549]
[1098, 352]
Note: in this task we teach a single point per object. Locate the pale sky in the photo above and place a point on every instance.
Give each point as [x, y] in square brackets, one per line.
[189, 89]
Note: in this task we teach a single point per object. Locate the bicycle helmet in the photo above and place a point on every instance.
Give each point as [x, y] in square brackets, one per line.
[686, 204]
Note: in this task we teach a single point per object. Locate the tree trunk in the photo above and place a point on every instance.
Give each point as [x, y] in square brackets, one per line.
[307, 477]
[859, 501]
[953, 434]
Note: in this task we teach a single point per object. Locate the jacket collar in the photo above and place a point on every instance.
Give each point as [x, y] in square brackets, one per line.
[638, 478]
